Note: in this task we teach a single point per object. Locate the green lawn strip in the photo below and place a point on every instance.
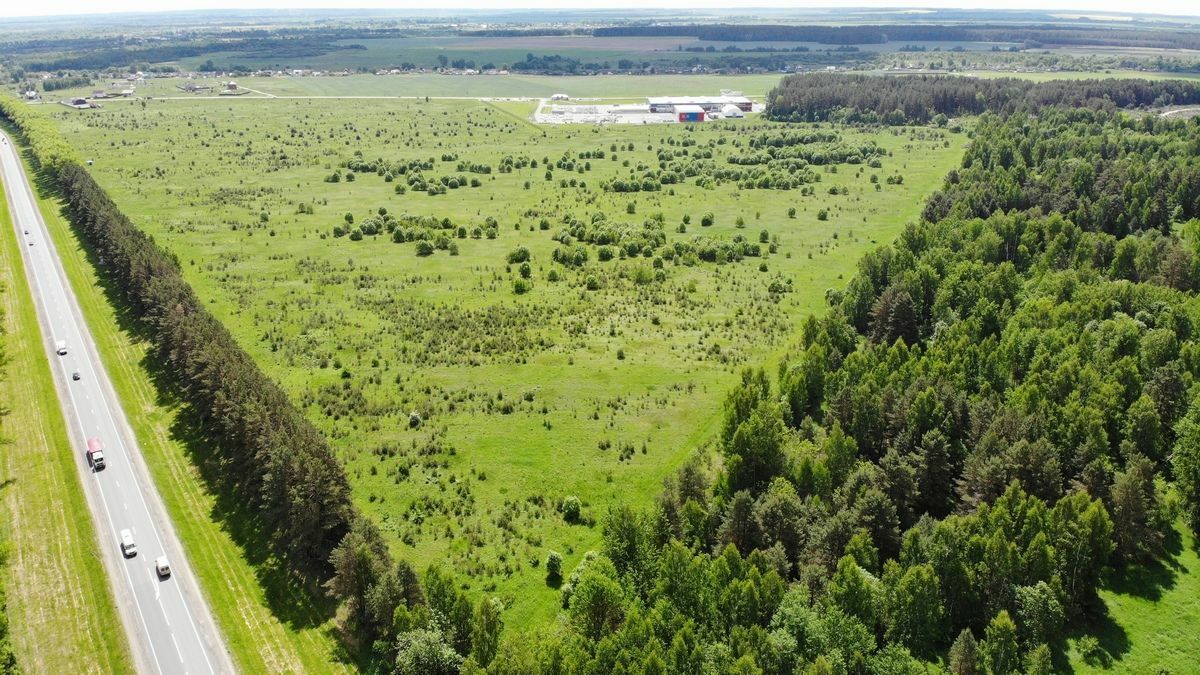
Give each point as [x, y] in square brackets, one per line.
[62, 617]
[268, 625]
[1153, 612]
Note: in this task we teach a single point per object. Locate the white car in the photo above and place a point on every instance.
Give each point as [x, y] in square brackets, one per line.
[162, 566]
[128, 548]
[60, 347]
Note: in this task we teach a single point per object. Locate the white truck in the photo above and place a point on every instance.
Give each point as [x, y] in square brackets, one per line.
[60, 347]
[128, 548]
[95, 453]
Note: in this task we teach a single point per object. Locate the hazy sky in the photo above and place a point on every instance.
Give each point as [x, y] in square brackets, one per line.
[13, 8]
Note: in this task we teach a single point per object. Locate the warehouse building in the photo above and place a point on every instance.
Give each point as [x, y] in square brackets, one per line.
[666, 104]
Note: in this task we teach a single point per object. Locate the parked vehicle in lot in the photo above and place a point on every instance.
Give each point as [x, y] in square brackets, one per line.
[95, 453]
[128, 548]
[60, 347]
[162, 567]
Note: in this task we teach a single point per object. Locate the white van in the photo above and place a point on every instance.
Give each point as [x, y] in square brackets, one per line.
[162, 566]
[128, 548]
[60, 347]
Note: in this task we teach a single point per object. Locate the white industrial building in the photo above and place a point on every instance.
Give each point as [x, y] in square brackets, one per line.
[666, 104]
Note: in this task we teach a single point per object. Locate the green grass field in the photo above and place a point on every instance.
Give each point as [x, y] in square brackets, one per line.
[526, 399]
[61, 614]
[268, 625]
[1151, 616]
[502, 52]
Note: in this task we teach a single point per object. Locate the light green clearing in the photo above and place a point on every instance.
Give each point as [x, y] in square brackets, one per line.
[1153, 612]
[446, 335]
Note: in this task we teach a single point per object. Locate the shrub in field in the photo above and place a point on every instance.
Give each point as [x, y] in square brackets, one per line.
[571, 509]
[519, 254]
[554, 562]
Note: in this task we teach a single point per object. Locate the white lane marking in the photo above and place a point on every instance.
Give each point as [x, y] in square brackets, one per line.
[59, 291]
[176, 643]
[136, 603]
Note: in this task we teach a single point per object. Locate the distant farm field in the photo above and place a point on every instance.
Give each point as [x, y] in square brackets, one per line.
[437, 85]
[501, 52]
[536, 331]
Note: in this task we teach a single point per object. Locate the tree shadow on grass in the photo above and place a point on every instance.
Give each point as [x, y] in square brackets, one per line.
[297, 601]
[1149, 580]
[1097, 622]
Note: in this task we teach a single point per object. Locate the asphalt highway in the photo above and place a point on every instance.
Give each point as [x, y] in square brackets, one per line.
[170, 628]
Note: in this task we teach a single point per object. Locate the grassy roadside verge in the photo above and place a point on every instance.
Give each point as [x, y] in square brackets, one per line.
[268, 626]
[62, 617]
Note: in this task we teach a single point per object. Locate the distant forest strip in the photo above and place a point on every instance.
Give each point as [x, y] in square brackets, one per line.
[814, 97]
[265, 47]
[1036, 35]
[216, 39]
[60, 83]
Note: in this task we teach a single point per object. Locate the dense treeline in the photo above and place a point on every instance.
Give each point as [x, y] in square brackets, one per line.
[264, 47]
[949, 460]
[60, 83]
[920, 98]
[831, 35]
[275, 458]
[1111, 175]
[1036, 34]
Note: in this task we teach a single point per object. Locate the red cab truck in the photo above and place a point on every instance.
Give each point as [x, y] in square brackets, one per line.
[95, 453]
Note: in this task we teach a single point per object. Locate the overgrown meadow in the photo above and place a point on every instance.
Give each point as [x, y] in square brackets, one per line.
[487, 317]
